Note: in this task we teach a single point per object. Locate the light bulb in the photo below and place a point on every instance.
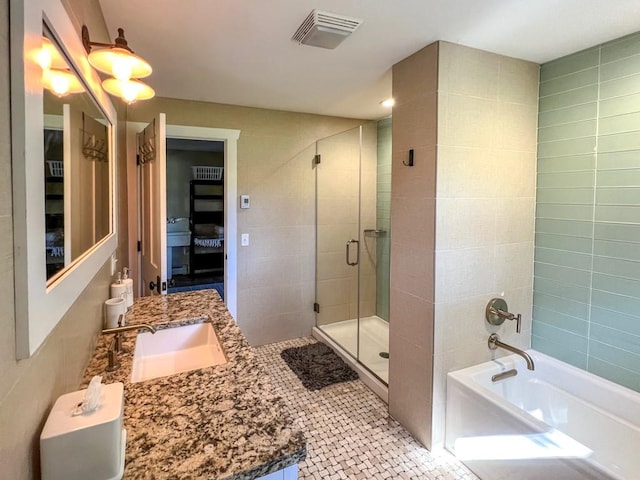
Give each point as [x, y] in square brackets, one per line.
[121, 67]
[49, 57]
[43, 57]
[59, 84]
[120, 63]
[129, 90]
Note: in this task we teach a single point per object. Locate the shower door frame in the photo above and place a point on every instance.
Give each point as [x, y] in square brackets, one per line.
[357, 236]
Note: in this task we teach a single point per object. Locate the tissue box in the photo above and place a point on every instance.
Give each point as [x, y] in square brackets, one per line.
[89, 445]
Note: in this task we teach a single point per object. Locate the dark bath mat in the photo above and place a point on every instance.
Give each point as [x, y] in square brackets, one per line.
[317, 366]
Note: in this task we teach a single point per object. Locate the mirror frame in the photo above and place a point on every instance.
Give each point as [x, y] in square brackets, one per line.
[40, 305]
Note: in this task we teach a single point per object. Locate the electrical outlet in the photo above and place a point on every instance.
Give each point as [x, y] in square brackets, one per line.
[114, 262]
[244, 239]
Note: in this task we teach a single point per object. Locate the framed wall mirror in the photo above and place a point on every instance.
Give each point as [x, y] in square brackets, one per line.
[76, 163]
[63, 146]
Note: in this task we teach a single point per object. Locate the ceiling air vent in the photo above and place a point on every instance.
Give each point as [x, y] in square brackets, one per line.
[325, 29]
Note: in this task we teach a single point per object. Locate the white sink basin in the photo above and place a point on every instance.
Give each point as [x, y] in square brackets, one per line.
[178, 239]
[179, 225]
[175, 350]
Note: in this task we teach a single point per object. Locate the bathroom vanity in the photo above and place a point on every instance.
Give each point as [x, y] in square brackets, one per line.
[219, 422]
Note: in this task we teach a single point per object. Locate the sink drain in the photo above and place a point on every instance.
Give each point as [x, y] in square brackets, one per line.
[384, 354]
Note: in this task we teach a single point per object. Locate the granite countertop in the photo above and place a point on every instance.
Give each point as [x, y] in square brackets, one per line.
[220, 422]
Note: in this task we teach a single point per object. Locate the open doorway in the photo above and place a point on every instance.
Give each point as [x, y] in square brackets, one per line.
[229, 139]
[195, 215]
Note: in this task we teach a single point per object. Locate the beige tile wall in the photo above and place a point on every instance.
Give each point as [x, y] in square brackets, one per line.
[462, 230]
[487, 123]
[276, 272]
[415, 82]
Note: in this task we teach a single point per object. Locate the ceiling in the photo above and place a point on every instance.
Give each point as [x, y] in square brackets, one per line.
[240, 52]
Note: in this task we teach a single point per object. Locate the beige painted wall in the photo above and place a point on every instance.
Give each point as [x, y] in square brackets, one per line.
[462, 230]
[276, 283]
[29, 387]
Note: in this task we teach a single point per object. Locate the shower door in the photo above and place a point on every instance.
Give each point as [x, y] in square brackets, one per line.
[338, 246]
[347, 244]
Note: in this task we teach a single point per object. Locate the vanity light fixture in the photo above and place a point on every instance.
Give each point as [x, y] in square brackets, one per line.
[128, 90]
[61, 82]
[49, 56]
[124, 67]
[388, 103]
[56, 76]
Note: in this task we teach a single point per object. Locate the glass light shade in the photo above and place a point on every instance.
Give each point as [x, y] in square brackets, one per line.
[128, 90]
[61, 82]
[49, 56]
[120, 63]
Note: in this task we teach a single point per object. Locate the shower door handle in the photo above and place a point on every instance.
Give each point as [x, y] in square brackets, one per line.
[348, 248]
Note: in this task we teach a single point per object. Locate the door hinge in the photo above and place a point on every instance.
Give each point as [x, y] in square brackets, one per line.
[316, 307]
[316, 160]
[139, 246]
[137, 159]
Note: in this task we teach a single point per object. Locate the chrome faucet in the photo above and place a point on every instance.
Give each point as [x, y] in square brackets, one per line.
[116, 344]
[494, 342]
[128, 328]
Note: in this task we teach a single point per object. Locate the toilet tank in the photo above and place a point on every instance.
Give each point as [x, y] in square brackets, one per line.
[89, 445]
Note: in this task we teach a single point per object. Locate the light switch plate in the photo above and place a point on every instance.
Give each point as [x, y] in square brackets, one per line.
[245, 201]
[244, 240]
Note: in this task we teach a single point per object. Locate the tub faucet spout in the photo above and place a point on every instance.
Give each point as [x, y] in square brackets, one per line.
[494, 343]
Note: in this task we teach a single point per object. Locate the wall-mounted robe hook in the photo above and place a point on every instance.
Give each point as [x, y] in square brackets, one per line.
[410, 164]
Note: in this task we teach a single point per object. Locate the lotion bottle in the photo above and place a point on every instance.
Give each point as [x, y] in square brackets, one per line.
[118, 289]
[128, 283]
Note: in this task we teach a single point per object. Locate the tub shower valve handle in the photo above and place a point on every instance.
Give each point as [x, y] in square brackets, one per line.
[511, 316]
[497, 312]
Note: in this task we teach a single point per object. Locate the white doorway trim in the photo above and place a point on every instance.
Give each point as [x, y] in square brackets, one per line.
[230, 139]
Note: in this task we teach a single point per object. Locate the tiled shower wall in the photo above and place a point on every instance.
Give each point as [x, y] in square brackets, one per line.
[587, 257]
[485, 198]
[383, 217]
[462, 232]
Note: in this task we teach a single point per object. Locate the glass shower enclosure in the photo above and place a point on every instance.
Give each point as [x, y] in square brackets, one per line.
[350, 247]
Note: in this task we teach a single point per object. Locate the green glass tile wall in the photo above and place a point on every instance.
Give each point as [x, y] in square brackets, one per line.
[587, 252]
[383, 217]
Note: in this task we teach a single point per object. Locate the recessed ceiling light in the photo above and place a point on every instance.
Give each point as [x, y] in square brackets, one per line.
[389, 102]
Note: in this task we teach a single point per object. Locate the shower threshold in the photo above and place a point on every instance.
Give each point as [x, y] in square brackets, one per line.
[373, 367]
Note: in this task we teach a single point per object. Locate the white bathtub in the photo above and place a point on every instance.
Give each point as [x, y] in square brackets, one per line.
[557, 422]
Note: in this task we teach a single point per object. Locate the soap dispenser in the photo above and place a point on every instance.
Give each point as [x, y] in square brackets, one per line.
[128, 285]
[118, 288]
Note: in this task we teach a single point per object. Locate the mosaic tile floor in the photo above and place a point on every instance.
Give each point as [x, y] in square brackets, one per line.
[350, 434]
